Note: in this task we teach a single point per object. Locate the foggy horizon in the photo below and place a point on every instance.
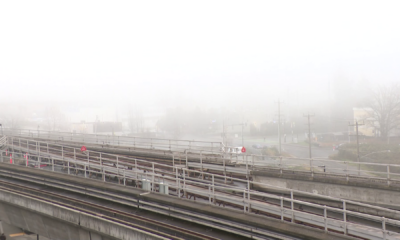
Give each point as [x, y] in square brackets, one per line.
[160, 56]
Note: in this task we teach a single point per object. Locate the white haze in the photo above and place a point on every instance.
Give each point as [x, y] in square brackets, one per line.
[193, 53]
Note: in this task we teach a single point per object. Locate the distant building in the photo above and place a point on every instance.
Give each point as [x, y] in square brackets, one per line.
[365, 116]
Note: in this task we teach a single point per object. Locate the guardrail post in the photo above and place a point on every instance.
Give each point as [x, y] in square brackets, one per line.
[345, 217]
[247, 168]
[325, 219]
[224, 169]
[173, 160]
[384, 228]
[213, 189]
[209, 194]
[101, 163]
[248, 196]
[177, 183]
[68, 166]
[292, 204]
[136, 164]
[388, 174]
[47, 147]
[152, 177]
[104, 174]
[186, 159]
[281, 208]
[244, 200]
[124, 177]
[117, 163]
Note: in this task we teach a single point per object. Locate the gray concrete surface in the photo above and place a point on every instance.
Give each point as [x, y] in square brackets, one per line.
[235, 216]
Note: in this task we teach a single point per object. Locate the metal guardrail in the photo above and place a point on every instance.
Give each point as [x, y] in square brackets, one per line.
[3, 141]
[252, 162]
[214, 193]
[137, 142]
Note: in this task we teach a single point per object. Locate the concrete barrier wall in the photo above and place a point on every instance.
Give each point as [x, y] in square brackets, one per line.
[60, 223]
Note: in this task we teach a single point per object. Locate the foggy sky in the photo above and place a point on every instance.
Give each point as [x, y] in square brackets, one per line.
[210, 53]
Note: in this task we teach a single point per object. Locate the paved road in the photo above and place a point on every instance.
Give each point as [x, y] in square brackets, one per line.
[302, 151]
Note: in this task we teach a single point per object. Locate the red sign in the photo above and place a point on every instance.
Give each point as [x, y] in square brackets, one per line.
[243, 149]
[83, 148]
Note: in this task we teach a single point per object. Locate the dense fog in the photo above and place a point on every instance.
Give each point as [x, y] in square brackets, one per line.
[182, 69]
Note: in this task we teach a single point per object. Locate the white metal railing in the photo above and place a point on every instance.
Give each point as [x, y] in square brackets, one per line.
[137, 142]
[3, 141]
[215, 193]
[200, 159]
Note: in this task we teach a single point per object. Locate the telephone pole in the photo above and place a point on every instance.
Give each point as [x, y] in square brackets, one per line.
[279, 126]
[309, 132]
[358, 145]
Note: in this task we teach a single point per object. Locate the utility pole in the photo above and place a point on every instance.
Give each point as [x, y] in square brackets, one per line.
[309, 133]
[358, 146]
[279, 126]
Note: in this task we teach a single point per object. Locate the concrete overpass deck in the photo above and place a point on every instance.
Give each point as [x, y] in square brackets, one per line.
[293, 214]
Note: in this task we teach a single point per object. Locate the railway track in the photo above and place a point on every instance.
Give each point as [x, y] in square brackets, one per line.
[117, 213]
[199, 184]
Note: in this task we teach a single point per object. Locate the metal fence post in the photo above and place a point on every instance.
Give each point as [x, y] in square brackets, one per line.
[177, 182]
[292, 204]
[244, 200]
[209, 194]
[213, 190]
[186, 159]
[384, 228]
[325, 219]
[281, 208]
[248, 195]
[124, 176]
[152, 177]
[388, 174]
[344, 217]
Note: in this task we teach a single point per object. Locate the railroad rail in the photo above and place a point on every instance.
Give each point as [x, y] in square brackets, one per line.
[116, 213]
[240, 165]
[250, 201]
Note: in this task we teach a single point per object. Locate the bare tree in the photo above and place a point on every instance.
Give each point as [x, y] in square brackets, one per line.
[55, 119]
[385, 105]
